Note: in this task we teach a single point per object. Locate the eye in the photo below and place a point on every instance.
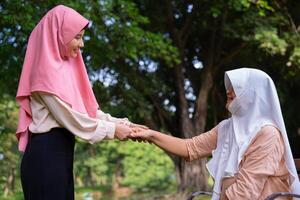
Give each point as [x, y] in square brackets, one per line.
[78, 37]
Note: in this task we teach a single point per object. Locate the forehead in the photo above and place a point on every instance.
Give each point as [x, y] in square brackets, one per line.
[81, 32]
[239, 79]
[227, 82]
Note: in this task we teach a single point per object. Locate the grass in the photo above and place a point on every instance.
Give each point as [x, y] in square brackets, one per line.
[89, 194]
[104, 193]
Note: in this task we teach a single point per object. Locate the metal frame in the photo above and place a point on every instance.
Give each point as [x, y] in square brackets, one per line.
[282, 194]
[198, 193]
[270, 197]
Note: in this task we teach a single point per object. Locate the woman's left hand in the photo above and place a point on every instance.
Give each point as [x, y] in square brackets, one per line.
[139, 126]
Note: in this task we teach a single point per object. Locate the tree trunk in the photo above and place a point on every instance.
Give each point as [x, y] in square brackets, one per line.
[10, 184]
[191, 176]
[88, 178]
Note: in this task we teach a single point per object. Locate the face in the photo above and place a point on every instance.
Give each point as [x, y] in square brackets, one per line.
[75, 44]
[230, 96]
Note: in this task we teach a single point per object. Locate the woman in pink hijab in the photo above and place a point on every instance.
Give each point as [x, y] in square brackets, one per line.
[56, 104]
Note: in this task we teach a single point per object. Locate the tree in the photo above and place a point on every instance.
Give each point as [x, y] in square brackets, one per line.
[107, 36]
[210, 36]
[165, 67]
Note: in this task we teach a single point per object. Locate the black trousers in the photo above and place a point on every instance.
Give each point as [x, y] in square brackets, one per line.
[47, 166]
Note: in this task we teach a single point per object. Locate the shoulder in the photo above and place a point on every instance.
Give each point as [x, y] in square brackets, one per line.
[269, 132]
[267, 136]
[267, 141]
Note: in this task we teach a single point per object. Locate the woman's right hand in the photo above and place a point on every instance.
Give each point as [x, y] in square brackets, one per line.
[169, 143]
[122, 131]
[142, 135]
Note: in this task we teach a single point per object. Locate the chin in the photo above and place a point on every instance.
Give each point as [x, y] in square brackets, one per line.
[227, 104]
[74, 55]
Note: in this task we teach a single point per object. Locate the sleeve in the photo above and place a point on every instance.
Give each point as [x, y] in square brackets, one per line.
[81, 125]
[260, 163]
[202, 145]
[107, 117]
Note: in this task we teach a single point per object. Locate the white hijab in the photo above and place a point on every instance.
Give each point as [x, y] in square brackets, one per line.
[256, 104]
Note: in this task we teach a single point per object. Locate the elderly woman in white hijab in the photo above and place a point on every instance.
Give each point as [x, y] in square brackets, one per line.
[251, 155]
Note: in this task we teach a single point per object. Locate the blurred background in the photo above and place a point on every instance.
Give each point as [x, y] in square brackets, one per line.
[159, 63]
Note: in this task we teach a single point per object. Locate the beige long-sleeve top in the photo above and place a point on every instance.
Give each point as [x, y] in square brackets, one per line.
[49, 111]
[262, 170]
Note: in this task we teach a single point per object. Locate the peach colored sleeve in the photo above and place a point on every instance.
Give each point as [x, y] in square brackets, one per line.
[261, 161]
[201, 145]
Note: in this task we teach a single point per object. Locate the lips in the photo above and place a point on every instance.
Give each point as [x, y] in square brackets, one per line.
[229, 99]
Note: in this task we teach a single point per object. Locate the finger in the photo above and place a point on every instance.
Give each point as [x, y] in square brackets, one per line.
[139, 126]
[136, 130]
[142, 126]
[135, 135]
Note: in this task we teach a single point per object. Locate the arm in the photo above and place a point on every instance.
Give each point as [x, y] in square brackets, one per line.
[169, 143]
[188, 148]
[261, 161]
[202, 145]
[81, 125]
[107, 117]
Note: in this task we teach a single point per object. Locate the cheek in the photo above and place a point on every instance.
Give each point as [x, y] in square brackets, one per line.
[232, 94]
[72, 45]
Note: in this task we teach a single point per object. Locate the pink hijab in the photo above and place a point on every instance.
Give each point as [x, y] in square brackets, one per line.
[46, 68]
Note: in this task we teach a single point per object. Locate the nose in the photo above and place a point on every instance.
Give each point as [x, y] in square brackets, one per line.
[81, 43]
[229, 93]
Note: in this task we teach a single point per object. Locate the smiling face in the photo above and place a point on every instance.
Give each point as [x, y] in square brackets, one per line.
[75, 44]
[230, 96]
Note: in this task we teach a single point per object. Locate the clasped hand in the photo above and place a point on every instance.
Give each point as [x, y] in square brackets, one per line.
[136, 132]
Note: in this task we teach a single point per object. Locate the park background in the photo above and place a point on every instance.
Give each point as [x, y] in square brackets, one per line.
[159, 63]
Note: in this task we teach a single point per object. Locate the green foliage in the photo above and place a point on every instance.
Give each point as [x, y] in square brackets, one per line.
[139, 166]
[130, 54]
[9, 156]
[147, 167]
[270, 41]
[295, 57]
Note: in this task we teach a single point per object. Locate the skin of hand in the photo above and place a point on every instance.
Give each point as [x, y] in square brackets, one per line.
[227, 182]
[142, 134]
[169, 143]
[122, 131]
[223, 196]
[133, 125]
[137, 128]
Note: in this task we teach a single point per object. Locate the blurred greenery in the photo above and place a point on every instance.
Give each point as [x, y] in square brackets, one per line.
[160, 64]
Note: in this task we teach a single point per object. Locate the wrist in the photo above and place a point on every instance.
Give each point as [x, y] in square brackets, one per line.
[153, 135]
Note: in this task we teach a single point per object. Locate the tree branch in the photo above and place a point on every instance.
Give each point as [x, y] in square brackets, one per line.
[163, 115]
[182, 104]
[220, 34]
[232, 54]
[184, 31]
[169, 18]
[282, 6]
[201, 101]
